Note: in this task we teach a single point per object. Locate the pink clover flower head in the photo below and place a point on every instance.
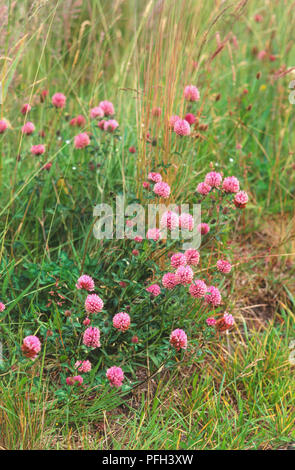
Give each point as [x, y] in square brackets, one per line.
[107, 107]
[3, 125]
[26, 108]
[213, 179]
[78, 379]
[83, 366]
[182, 127]
[198, 289]
[38, 149]
[192, 257]
[81, 140]
[231, 184]
[156, 112]
[203, 228]
[169, 280]
[228, 319]
[203, 188]
[96, 112]
[191, 93]
[211, 321]
[58, 100]
[241, 199]
[93, 303]
[162, 189]
[213, 296]
[155, 177]
[87, 321]
[186, 221]
[85, 282]
[121, 321]
[178, 339]
[115, 376]
[190, 118]
[184, 275]
[74, 380]
[91, 337]
[110, 125]
[178, 259]
[138, 239]
[28, 128]
[153, 234]
[31, 347]
[170, 220]
[173, 120]
[154, 290]
[2, 307]
[223, 266]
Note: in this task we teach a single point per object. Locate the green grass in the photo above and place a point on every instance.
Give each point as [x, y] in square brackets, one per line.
[241, 395]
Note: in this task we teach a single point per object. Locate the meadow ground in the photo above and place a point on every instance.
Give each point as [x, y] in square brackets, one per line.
[231, 388]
